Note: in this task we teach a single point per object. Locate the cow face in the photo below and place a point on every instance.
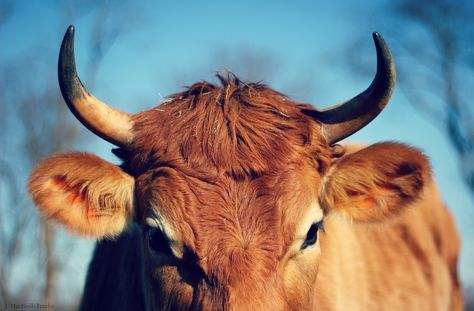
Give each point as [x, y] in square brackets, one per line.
[229, 206]
[231, 185]
[231, 243]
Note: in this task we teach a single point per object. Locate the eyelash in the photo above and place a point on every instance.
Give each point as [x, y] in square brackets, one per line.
[312, 235]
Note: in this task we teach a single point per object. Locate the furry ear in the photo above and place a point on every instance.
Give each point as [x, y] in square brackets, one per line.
[89, 196]
[376, 182]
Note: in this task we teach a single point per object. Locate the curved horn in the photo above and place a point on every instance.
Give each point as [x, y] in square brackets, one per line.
[344, 119]
[111, 124]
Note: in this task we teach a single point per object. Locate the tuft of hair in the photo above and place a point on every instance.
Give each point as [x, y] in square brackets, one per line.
[84, 193]
[376, 182]
[239, 129]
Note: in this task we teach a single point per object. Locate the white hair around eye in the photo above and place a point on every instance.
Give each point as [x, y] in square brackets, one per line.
[313, 216]
[157, 221]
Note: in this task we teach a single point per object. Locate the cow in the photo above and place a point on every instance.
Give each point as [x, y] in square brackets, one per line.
[232, 196]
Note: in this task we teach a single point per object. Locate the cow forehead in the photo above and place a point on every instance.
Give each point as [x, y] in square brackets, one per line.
[239, 130]
[228, 214]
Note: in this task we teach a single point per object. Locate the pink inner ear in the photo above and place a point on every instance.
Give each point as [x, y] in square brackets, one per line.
[353, 193]
[382, 191]
[78, 198]
[74, 194]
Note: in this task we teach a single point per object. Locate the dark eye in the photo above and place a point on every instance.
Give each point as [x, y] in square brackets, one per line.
[312, 235]
[157, 241]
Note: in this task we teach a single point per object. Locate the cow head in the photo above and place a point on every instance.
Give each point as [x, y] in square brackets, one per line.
[230, 184]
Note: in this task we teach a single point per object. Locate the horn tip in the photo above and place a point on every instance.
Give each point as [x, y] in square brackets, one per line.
[377, 37]
[70, 31]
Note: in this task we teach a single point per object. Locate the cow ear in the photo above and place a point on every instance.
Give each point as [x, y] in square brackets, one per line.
[375, 183]
[89, 196]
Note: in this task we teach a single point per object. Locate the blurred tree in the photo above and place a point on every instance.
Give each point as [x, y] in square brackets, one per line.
[438, 69]
[432, 40]
[437, 74]
[5, 11]
[34, 108]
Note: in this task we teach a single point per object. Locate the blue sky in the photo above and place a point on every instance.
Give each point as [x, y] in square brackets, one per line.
[170, 44]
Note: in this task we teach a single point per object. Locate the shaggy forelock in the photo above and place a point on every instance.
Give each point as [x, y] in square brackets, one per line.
[239, 129]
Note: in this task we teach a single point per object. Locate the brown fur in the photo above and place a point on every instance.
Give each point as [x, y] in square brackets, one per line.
[241, 130]
[235, 174]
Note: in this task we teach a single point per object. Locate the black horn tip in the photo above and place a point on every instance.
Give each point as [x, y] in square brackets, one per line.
[70, 29]
[70, 84]
[379, 41]
[68, 39]
[385, 65]
[381, 46]
[69, 35]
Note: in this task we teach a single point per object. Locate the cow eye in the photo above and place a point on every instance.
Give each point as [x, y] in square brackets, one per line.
[312, 235]
[157, 241]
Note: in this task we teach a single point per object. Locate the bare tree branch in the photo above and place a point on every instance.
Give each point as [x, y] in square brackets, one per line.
[36, 113]
[445, 22]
